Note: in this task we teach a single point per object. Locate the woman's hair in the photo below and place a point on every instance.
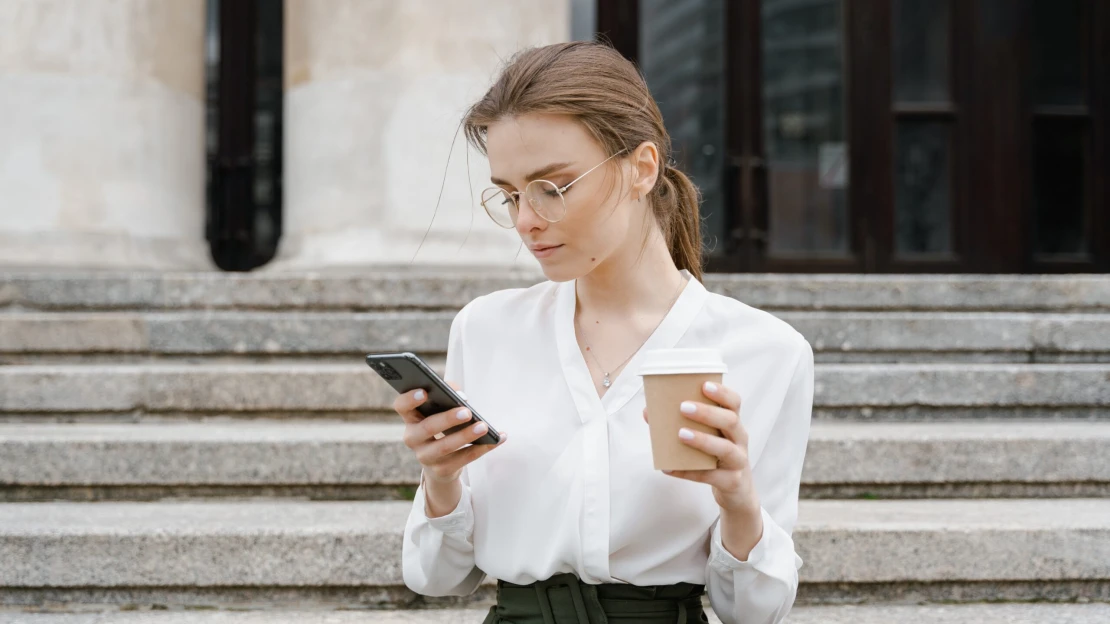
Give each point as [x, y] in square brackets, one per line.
[606, 93]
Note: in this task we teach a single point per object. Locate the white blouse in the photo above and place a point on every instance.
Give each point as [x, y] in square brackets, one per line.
[573, 489]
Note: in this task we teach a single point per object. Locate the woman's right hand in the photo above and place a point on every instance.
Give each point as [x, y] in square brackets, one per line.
[444, 458]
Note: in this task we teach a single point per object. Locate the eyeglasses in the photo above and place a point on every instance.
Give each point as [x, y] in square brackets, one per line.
[544, 197]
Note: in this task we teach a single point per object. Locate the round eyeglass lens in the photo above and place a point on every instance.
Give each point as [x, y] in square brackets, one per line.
[500, 207]
[545, 198]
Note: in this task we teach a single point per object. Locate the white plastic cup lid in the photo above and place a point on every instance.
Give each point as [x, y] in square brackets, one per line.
[682, 361]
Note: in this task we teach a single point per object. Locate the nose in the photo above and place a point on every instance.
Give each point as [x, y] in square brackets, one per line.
[527, 219]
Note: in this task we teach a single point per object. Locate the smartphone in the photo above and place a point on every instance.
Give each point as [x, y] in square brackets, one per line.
[407, 372]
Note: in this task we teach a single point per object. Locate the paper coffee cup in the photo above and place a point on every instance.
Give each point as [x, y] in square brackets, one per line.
[672, 376]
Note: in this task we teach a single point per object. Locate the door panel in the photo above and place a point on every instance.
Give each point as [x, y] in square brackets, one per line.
[886, 135]
[803, 129]
[1063, 206]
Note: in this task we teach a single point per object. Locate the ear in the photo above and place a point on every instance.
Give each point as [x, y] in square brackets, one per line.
[645, 163]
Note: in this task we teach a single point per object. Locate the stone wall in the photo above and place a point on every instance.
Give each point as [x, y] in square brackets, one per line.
[375, 92]
[102, 134]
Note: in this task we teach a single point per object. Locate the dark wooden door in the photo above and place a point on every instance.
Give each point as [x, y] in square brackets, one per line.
[989, 153]
[886, 135]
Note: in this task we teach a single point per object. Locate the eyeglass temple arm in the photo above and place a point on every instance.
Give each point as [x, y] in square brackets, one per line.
[516, 194]
[562, 190]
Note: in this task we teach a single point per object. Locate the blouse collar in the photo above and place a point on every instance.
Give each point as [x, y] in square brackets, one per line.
[627, 383]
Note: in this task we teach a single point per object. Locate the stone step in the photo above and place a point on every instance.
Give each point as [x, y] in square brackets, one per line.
[352, 461]
[851, 391]
[835, 336]
[447, 288]
[201, 553]
[1030, 613]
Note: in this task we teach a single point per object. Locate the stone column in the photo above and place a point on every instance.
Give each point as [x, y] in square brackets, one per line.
[102, 134]
[375, 91]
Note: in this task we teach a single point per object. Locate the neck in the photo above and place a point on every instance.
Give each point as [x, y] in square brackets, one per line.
[629, 284]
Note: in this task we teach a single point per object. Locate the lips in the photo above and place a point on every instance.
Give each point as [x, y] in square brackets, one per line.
[543, 247]
[545, 252]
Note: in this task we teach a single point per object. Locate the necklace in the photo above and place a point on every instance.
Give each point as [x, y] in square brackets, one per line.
[606, 381]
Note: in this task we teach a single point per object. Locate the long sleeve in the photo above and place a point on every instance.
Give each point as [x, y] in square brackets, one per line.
[438, 553]
[761, 590]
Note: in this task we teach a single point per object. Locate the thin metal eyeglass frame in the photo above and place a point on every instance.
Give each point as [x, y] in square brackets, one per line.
[515, 195]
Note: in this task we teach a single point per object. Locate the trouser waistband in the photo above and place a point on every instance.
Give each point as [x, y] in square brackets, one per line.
[565, 599]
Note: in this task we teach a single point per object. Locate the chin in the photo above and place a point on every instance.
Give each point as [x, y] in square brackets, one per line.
[559, 273]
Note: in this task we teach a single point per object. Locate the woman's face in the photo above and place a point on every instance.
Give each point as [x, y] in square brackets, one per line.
[601, 220]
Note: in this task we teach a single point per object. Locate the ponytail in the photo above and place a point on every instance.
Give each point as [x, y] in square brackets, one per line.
[676, 204]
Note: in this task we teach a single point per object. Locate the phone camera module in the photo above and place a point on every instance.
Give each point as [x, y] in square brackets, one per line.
[387, 372]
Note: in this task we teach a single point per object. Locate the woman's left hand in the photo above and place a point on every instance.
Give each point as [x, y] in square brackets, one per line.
[732, 479]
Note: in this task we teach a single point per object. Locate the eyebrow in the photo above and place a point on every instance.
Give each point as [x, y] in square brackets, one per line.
[538, 173]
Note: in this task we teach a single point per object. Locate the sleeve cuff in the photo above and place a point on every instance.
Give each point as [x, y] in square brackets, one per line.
[461, 519]
[773, 543]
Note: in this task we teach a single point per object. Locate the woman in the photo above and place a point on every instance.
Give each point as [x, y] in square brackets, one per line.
[567, 510]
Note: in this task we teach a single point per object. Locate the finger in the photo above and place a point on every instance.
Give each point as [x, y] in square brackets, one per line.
[441, 422]
[406, 403]
[730, 455]
[433, 452]
[720, 418]
[700, 476]
[715, 477]
[442, 449]
[425, 429]
[712, 415]
[722, 395]
[457, 388]
[463, 456]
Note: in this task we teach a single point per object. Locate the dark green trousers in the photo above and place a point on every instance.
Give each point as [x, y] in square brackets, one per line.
[564, 599]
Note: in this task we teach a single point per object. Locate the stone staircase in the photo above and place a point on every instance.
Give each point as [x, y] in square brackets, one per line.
[211, 448]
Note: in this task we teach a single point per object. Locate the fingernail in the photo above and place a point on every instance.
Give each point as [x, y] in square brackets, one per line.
[687, 407]
[685, 434]
[419, 396]
[710, 386]
[667, 471]
[480, 428]
[463, 414]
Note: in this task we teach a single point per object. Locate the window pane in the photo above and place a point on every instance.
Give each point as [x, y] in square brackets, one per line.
[1059, 176]
[682, 57]
[803, 126]
[1057, 52]
[921, 48]
[922, 188]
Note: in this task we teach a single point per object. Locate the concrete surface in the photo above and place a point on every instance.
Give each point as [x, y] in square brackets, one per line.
[358, 543]
[323, 387]
[443, 287]
[335, 452]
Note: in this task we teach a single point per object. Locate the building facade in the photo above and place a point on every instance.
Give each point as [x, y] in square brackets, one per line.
[140, 134]
[826, 135]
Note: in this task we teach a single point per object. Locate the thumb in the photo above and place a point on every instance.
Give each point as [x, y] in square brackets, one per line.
[456, 387]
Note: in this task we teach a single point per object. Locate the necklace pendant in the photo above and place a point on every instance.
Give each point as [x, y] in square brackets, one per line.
[605, 382]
